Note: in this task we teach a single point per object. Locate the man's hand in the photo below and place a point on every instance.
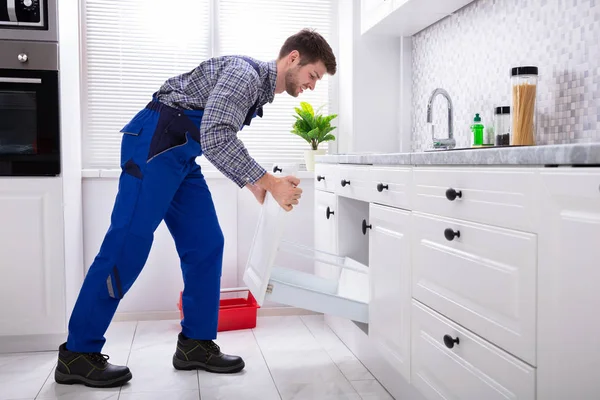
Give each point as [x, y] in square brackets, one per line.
[284, 190]
[258, 192]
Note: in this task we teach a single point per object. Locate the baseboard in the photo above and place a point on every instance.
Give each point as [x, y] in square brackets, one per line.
[167, 315]
[30, 343]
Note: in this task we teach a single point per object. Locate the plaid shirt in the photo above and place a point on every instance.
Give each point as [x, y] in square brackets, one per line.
[226, 88]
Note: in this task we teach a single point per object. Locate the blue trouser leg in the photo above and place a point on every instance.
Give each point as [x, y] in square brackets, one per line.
[193, 223]
[157, 153]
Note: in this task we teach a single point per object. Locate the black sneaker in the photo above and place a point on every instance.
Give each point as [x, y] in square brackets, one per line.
[204, 354]
[89, 369]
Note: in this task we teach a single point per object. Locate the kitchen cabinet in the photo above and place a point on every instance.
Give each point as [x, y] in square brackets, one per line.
[389, 274]
[483, 281]
[569, 296]
[32, 287]
[373, 11]
[404, 17]
[326, 219]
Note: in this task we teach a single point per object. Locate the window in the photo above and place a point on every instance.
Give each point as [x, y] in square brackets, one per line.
[131, 47]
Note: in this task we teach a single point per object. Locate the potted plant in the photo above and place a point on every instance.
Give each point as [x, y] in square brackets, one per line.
[314, 128]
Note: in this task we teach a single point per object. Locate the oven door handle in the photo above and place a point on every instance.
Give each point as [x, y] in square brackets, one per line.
[19, 80]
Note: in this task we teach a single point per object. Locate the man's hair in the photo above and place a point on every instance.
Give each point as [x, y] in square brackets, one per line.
[312, 48]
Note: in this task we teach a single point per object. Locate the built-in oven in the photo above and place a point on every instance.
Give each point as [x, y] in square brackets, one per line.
[28, 20]
[29, 109]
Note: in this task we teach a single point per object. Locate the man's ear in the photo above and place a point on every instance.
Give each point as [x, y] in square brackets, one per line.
[294, 57]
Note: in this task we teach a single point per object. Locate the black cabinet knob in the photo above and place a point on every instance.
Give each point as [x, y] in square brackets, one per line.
[276, 168]
[452, 194]
[320, 178]
[381, 186]
[329, 213]
[345, 182]
[365, 226]
[451, 234]
[449, 341]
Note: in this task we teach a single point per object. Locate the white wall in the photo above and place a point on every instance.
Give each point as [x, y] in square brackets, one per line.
[156, 291]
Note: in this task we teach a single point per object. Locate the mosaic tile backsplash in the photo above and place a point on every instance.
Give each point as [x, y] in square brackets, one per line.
[470, 55]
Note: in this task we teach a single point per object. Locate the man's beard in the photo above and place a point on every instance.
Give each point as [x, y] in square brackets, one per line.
[291, 84]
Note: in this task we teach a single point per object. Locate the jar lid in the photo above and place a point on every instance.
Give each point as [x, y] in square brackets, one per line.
[503, 110]
[529, 70]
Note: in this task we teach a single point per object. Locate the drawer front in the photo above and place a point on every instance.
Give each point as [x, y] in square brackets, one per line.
[482, 277]
[390, 186]
[472, 369]
[496, 196]
[326, 177]
[354, 182]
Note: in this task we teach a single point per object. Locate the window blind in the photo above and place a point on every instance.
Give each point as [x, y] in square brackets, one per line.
[130, 47]
[259, 28]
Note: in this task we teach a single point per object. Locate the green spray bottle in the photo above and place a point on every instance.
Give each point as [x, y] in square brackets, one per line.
[477, 129]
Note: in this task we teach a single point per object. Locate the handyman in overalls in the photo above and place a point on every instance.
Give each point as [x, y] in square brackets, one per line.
[196, 113]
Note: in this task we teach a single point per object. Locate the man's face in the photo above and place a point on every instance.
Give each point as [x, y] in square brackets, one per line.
[299, 78]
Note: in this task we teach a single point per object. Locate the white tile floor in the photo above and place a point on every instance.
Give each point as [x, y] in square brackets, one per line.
[287, 358]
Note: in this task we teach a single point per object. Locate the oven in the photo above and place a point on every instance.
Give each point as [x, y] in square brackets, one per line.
[28, 20]
[29, 109]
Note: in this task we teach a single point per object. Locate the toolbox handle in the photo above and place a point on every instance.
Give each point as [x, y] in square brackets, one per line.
[233, 290]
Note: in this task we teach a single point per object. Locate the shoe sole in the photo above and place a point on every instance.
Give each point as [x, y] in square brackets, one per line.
[68, 379]
[191, 365]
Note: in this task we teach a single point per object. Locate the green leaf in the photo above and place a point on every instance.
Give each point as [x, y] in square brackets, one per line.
[303, 135]
[307, 107]
[314, 134]
[328, 138]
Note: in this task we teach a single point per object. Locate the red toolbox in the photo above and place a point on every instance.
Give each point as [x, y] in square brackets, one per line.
[234, 314]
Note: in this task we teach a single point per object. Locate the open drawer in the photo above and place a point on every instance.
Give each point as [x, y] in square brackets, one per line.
[346, 295]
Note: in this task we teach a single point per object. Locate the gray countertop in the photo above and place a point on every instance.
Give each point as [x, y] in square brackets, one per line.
[563, 154]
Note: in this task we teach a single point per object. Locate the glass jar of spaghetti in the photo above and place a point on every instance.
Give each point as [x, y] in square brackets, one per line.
[524, 87]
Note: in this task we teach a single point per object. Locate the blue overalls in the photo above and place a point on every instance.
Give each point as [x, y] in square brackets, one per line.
[160, 180]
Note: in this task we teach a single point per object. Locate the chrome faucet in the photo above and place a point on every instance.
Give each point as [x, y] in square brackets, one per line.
[441, 143]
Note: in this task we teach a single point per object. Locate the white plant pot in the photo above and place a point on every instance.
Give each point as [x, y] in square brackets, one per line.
[309, 158]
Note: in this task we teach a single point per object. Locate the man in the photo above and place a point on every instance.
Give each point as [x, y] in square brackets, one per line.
[196, 113]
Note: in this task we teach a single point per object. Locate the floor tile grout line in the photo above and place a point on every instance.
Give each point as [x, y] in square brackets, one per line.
[266, 364]
[329, 355]
[45, 380]
[129, 354]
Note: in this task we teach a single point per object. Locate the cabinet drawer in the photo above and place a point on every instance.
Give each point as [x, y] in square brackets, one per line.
[326, 177]
[354, 182]
[484, 279]
[472, 369]
[390, 186]
[496, 196]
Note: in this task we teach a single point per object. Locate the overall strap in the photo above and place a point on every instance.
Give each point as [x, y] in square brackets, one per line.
[254, 110]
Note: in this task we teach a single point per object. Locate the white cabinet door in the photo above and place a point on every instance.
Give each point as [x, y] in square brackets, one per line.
[373, 11]
[326, 219]
[32, 283]
[389, 269]
[569, 285]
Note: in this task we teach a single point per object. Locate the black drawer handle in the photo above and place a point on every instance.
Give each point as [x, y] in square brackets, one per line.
[381, 186]
[345, 182]
[451, 234]
[452, 194]
[320, 178]
[276, 168]
[329, 213]
[449, 341]
[365, 226]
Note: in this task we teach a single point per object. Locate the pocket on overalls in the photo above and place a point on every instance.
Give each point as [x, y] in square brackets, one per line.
[134, 127]
[168, 136]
